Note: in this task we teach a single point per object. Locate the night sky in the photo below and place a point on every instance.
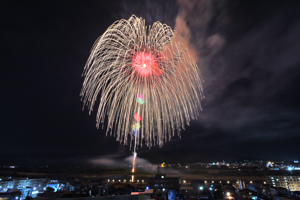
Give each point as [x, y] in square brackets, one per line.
[248, 53]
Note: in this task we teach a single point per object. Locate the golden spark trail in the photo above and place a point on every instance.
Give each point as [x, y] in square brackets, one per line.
[131, 58]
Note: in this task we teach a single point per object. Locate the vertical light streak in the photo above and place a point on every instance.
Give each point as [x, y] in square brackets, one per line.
[140, 101]
[133, 162]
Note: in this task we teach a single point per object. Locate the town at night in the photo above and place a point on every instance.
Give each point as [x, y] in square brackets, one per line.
[150, 99]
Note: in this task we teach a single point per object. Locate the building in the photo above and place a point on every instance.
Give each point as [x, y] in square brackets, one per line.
[6, 184]
[163, 186]
[35, 184]
[26, 187]
[290, 182]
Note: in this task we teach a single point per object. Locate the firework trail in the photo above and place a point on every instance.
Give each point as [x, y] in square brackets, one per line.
[129, 59]
[136, 127]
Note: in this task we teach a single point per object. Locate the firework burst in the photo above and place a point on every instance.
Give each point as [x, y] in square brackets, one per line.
[131, 59]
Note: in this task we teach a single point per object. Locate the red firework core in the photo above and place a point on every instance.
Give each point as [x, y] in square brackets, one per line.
[145, 64]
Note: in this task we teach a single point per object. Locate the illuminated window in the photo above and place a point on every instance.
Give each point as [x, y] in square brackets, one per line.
[212, 182]
[142, 181]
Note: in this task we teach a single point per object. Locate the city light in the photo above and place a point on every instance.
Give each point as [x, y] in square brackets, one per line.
[288, 181]
[290, 168]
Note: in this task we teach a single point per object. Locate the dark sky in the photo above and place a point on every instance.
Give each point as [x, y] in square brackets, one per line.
[248, 52]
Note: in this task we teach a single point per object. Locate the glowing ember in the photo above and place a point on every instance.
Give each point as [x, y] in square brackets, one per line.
[145, 64]
[137, 117]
